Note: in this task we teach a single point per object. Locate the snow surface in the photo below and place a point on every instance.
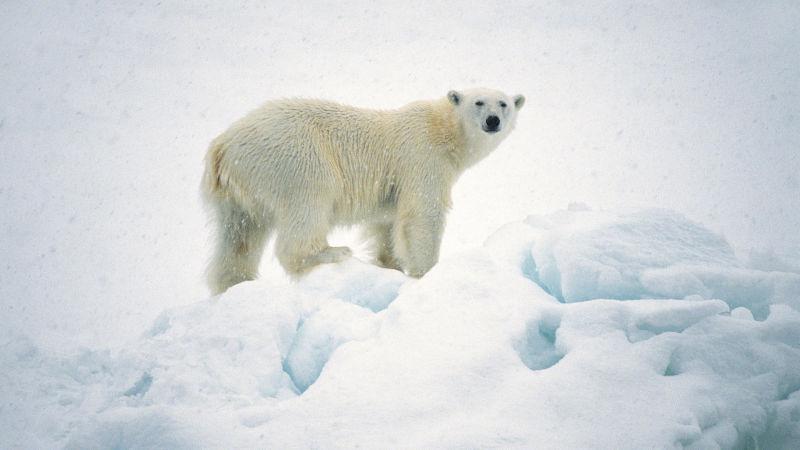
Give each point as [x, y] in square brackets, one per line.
[556, 333]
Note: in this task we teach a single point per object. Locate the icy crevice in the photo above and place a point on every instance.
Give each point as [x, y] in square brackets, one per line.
[537, 349]
[318, 337]
[140, 388]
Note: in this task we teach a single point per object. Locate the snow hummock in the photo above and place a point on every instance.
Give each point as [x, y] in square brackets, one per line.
[579, 329]
[581, 255]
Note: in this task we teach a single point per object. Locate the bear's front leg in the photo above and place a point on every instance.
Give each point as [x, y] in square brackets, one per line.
[417, 239]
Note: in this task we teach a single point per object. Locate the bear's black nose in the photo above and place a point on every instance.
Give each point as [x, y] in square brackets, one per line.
[492, 122]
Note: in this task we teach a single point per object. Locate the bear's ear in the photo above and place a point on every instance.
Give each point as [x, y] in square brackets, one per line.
[519, 101]
[454, 97]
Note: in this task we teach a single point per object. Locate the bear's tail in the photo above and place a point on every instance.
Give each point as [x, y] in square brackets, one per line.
[212, 183]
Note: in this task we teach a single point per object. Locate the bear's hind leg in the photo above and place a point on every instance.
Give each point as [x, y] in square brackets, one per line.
[240, 243]
[303, 243]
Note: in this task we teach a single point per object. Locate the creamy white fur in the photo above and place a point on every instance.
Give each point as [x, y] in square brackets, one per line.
[300, 167]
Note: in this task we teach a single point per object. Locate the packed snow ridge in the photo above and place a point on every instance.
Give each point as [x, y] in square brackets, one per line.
[580, 329]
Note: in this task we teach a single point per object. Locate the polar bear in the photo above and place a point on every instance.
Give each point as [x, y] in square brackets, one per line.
[299, 167]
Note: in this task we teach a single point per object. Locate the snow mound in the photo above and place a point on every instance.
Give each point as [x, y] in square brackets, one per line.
[577, 255]
[491, 349]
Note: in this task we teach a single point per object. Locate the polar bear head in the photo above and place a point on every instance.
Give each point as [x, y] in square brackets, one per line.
[486, 109]
[486, 115]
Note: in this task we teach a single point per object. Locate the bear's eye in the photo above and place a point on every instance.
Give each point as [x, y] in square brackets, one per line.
[502, 104]
[479, 103]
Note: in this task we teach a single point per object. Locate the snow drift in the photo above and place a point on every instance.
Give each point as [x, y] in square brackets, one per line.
[532, 340]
